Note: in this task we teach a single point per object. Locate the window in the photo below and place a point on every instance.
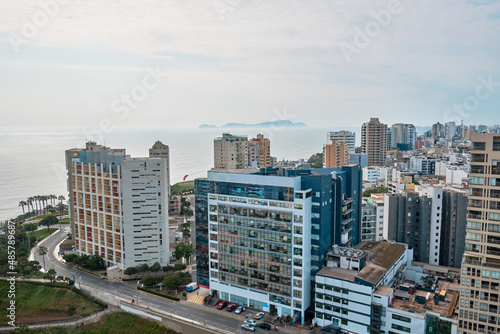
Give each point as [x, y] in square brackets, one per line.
[401, 328]
[401, 318]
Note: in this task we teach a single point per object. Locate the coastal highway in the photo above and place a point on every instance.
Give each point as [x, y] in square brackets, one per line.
[127, 290]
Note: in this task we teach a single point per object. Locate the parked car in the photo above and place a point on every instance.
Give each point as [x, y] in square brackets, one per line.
[239, 309]
[265, 325]
[250, 322]
[231, 307]
[248, 327]
[221, 305]
[259, 315]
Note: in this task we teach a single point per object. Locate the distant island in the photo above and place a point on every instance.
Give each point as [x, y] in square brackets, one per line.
[283, 123]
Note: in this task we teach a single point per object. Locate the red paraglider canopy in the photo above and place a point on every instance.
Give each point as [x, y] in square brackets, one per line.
[184, 179]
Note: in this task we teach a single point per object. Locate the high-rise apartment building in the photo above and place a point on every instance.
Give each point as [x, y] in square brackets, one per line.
[450, 130]
[414, 218]
[479, 302]
[374, 141]
[454, 219]
[343, 136]
[118, 205]
[335, 154]
[403, 135]
[262, 234]
[230, 152]
[259, 152]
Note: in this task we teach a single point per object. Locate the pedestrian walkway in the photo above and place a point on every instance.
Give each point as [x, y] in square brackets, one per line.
[194, 298]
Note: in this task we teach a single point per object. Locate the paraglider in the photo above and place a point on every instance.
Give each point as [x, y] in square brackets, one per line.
[184, 179]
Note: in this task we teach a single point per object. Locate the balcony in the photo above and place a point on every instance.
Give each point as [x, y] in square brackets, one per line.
[474, 215]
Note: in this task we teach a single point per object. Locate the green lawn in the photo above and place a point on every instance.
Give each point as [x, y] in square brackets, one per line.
[44, 233]
[117, 322]
[182, 186]
[35, 303]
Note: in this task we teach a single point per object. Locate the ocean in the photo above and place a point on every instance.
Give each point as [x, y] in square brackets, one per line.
[33, 163]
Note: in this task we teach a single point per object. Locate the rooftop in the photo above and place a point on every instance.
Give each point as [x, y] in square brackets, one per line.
[445, 306]
[340, 273]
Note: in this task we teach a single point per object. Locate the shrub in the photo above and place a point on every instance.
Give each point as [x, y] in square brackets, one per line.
[159, 294]
[71, 309]
[70, 257]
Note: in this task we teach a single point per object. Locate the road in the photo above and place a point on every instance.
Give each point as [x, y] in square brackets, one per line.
[127, 290]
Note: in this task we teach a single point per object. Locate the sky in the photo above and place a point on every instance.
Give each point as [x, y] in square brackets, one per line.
[93, 65]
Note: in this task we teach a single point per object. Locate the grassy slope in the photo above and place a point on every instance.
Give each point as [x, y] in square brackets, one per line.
[182, 186]
[117, 322]
[44, 232]
[40, 303]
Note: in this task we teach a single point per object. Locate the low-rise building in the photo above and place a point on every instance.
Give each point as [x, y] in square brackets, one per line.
[375, 288]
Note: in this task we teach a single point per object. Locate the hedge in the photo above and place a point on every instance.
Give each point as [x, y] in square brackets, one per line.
[160, 294]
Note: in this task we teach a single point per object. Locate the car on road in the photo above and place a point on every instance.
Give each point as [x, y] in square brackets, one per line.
[231, 307]
[265, 325]
[239, 309]
[248, 327]
[259, 315]
[221, 305]
[250, 322]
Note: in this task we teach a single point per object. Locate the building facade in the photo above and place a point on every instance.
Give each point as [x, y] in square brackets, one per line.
[230, 152]
[375, 288]
[479, 306]
[343, 136]
[265, 232]
[335, 154]
[259, 152]
[118, 205]
[374, 141]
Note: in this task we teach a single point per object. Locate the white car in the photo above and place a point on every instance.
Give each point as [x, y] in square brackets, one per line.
[250, 322]
[248, 327]
[239, 309]
[259, 315]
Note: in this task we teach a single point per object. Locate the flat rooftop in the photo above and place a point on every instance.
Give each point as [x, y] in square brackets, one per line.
[445, 307]
[340, 273]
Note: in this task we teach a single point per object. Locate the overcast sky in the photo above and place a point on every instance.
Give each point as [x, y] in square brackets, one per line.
[77, 64]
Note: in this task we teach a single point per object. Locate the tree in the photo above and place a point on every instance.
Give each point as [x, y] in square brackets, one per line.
[357, 149]
[130, 271]
[173, 281]
[22, 263]
[95, 262]
[143, 268]
[70, 257]
[51, 275]
[156, 267]
[22, 204]
[184, 251]
[61, 205]
[42, 250]
[48, 221]
[30, 202]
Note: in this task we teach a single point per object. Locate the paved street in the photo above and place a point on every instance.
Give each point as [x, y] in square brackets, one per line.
[127, 290]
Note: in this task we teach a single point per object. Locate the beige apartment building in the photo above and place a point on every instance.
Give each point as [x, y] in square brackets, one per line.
[374, 141]
[230, 151]
[480, 277]
[118, 205]
[259, 151]
[335, 154]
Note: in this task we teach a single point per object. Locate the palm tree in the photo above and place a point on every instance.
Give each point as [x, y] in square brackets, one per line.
[42, 250]
[30, 202]
[22, 204]
[61, 198]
